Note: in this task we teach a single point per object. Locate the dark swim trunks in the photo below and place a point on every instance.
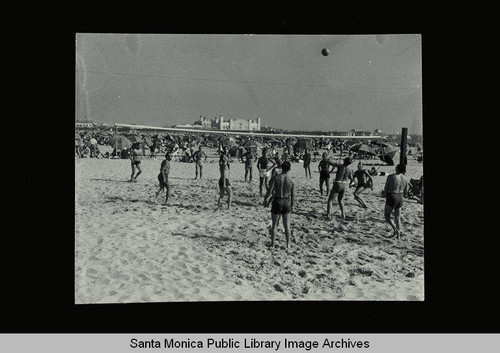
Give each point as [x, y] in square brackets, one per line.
[163, 182]
[394, 200]
[281, 206]
[136, 162]
[323, 174]
[338, 188]
[221, 182]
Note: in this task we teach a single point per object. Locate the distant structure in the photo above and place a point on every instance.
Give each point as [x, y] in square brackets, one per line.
[85, 122]
[219, 123]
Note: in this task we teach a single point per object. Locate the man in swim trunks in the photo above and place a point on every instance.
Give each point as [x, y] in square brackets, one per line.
[263, 164]
[364, 181]
[224, 184]
[163, 176]
[281, 191]
[277, 163]
[324, 173]
[198, 162]
[307, 162]
[342, 177]
[135, 159]
[396, 186]
[249, 158]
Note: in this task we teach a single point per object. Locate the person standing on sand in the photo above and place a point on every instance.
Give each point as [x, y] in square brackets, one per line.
[324, 174]
[281, 191]
[364, 181]
[307, 162]
[342, 177]
[396, 186]
[249, 158]
[163, 176]
[135, 159]
[264, 170]
[198, 162]
[277, 163]
[224, 184]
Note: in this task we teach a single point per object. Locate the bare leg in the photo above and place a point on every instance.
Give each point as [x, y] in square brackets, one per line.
[331, 197]
[275, 219]
[286, 224]
[133, 172]
[221, 195]
[201, 170]
[167, 195]
[358, 198]
[341, 205]
[250, 180]
[246, 174]
[138, 173]
[159, 190]
[261, 181]
[196, 170]
[387, 213]
[230, 197]
[397, 216]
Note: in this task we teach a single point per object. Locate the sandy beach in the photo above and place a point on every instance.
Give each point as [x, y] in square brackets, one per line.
[131, 248]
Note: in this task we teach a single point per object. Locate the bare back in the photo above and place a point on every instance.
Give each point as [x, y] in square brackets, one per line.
[283, 186]
[396, 184]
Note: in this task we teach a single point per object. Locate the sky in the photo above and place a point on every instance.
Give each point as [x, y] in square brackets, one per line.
[367, 82]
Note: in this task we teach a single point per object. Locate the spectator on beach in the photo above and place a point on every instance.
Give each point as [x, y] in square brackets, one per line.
[224, 184]
[396, 186]
[281, 192]
[249, 160]
[197, 156]
[135, 159]
[307, 162]
[263, 165]
[152, 150]
[343, 175]
[93, 147]
[324, 174]
[364, 181]
[277, 163]
[163, 177]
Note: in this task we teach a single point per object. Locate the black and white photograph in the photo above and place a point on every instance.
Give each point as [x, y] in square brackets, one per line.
[248, 167]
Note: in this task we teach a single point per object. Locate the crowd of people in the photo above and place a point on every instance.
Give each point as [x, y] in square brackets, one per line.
[280, 188]
[273, 171]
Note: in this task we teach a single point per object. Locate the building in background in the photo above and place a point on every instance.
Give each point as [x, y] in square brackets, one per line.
[219, 123]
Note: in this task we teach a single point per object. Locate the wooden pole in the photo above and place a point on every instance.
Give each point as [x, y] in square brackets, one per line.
[402, 155]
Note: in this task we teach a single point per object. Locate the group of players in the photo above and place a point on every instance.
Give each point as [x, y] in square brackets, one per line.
[273, 174]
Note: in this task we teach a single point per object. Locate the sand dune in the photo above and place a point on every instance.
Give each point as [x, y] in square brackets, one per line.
[131, 248]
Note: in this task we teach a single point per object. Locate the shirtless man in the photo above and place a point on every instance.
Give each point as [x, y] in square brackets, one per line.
[278, 162]
[281, 191]
[198, 162]
[249, 158]
[135, 159]
[264, 170]
[324, 174]
[342, 177]
[396, 186]
[364, 181]
[224, 184]
[307, 162]
[163, 176]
